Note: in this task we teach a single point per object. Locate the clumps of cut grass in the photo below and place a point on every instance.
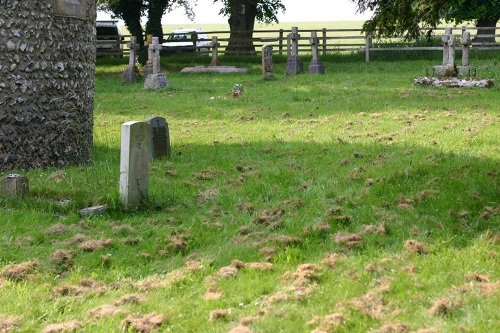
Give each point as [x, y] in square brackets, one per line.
[271, 218]
[143, 323]
[63, 260]
[129, 299]
[70, 326]
[414, 246]
[207, 174]
[379, 229]
[95, 244]
[444, 307]
[303, 281]
[19, 271]
[103, 311]
[83, 287]
[240, 329]
[56, 229]
[331, 259]
[394, 328]
[348, 240]
[326, 324]
[132, 240]
[207, 196]
[336, 216]
[371, 304]
[8, 323]
[218, 314]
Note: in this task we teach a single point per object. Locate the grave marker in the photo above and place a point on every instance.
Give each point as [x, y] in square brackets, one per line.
[156, 80]
[160, 138]
[14, 185]
[134, 163]
[130, 74]
[316, 66]
[267, 61]
[294, 63]
[215, 52]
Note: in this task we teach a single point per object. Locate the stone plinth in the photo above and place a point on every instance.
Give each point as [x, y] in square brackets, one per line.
[156, 81]
[14, 186]
[453, 82]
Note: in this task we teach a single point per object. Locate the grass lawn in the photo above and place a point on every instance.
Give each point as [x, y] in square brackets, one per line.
[346, 202]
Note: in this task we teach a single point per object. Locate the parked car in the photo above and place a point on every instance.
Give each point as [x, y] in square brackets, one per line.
[182, 41]
[107, 31]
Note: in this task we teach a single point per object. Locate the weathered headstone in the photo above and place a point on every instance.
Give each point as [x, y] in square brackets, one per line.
[148, 68]
[465, 69]
[294, 63]
[131, 73]
[267, 61]
[14, 185]
[160, 137]
[134, 163]
[316, 66]
[215, 52]
[47, 75]
[156, 80]
[448, 67]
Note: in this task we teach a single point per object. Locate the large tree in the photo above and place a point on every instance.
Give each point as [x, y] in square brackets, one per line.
[412, 17]
[242, 16]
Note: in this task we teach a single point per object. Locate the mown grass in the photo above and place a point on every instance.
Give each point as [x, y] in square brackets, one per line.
[348, 202]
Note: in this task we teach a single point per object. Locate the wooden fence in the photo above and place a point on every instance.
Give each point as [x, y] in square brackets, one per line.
[336, 40]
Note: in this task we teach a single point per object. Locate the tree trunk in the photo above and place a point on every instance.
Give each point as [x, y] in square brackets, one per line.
[241, 25]
[485, 27]
[156, 9]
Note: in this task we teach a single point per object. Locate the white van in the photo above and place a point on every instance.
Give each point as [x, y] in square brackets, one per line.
[182, 41]
[107, 31]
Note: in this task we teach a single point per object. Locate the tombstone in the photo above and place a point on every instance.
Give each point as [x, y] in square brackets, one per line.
[215, 52]
[267, 62]
[160, 138]
[134, 163]
[131, 73]
[465, 69]
[47, 75]
[156, 80]
[448, 67]
[14, 186]
[148, 68]
[316, 66]
[294, 64]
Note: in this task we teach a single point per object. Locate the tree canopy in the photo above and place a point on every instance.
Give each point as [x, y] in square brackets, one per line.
[412, 17]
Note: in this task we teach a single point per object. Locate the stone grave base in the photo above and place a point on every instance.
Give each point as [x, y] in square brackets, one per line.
[217, 69]
[155, 82]
[453, 82]
[464, 71]
[130, 75]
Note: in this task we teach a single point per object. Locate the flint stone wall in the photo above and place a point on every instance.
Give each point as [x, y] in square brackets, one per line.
[47, 72]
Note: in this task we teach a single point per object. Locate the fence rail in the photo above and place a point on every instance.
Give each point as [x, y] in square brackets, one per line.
[330, 41]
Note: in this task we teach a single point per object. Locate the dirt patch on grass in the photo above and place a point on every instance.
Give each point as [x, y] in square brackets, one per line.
[331, 259]
[19, 271]
[379, 229]
[444, 307]
[218, 314]
[143, 323]
[83, 287]
[63, 260]
[70, 326]
[8, 324]
[129, 299]
[371, 304]
[95, 244]
[393, 328]
[240, 329]
[271, 218]
[328, 323]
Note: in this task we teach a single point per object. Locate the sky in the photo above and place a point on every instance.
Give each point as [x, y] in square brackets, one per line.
[296, 11]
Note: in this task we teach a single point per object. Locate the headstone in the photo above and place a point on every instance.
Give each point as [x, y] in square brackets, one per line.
[448, 67]
[131, 73]
[14, 186]
[160, 138]
[134, 163]
[316, 66]
[148, 68]
[93, 211]
[267, 61]
[215, 52]
[465, 69]
[294, 64]
[156, 80]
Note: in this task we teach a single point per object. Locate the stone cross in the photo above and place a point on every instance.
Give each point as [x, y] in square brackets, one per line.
[451, 51]
[267, 61]
[130, 73]
[446, 43]
[466, 42]
[155, 55]
[316, 65]
[294, 64]
[134, 163]
[215, 52]
[160, 138]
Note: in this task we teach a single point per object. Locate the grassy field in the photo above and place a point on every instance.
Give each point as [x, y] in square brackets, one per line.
[346, 202]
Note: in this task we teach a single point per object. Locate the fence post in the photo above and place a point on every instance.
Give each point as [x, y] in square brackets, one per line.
[280, 47]
[367, 47]
[324, 41]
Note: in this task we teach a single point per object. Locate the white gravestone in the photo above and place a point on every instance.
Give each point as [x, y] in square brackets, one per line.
[134, 163]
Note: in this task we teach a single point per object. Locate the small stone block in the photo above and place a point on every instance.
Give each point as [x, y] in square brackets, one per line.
[93, 211]
[15, 185]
